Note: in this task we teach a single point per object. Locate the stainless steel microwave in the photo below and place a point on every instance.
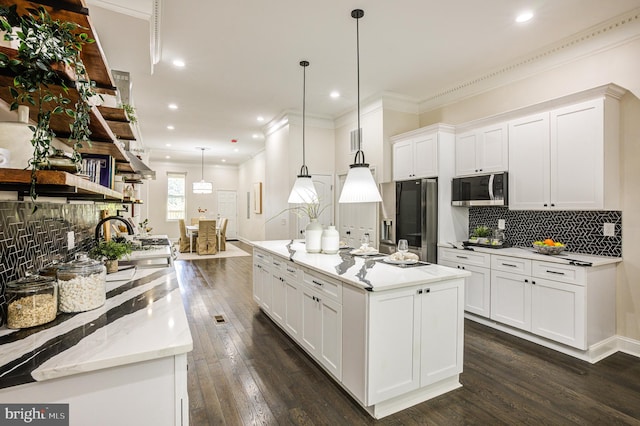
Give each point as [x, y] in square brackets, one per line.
[483, 190]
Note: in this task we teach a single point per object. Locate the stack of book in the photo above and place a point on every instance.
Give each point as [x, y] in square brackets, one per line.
[100, 168]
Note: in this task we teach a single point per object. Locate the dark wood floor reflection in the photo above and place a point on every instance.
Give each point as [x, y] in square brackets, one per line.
[245, 371]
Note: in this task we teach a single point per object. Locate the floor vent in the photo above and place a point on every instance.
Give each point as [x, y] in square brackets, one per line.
[219, 319]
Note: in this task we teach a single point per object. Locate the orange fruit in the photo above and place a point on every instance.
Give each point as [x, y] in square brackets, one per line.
[549, 242]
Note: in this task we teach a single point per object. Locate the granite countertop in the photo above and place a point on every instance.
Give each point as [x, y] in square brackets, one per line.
[143, 319]
[369, 272]
[528, 253]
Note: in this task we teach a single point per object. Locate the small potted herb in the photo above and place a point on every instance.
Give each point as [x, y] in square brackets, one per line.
[481, 235]
[110, 252]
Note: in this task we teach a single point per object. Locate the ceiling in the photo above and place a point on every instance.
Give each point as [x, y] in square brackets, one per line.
[242, 58]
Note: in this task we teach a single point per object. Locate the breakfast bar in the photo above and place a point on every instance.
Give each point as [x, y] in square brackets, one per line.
[122, 363]
[390, 334]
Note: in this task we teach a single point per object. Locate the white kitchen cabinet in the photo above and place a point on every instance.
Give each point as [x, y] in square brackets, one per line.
[511, 299]
[416, 157]
[261, 277]
[321, 330]
[477, 287]
[566, 158]
[482, 151]
[285, 300]
[418, 348]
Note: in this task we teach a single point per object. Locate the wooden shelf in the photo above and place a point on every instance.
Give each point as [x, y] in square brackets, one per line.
[118, 122]
[55, 183]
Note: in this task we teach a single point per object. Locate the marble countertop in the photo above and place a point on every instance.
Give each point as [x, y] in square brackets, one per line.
[529, 253]
[143, 319]
[369, 272]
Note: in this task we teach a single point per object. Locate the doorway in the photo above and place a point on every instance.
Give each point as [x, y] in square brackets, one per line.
[228, 207]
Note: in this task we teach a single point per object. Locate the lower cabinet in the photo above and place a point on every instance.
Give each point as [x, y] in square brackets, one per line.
[511, 299]
[477, 289]
[416, 338]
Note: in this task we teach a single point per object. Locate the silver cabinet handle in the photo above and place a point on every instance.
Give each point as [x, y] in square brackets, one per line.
[510, 265]
[555, 272]
[461, 257]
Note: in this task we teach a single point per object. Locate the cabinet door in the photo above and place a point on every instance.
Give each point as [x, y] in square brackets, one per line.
[331, 335]
[466, 154]
[493, 152]
[258, 282]
[529, 163]
[425, 156]
[511, 299]
[477, 288]
[267, 290]
[441, 332]
[394, 352]
[403, 160]
[577, 156]
[277, 301]
[310, 329]
[293, 308]
[558, 312]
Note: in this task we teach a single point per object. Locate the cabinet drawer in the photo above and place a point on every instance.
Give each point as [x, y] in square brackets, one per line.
[261, 257]
[558, 272]
[278, 263]
[325, 285]
[467, 257]
[514, 265]
[291, 270]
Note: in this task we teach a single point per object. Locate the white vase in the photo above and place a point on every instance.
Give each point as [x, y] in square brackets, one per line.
[313, 236]
[15, 141]
[330, 240]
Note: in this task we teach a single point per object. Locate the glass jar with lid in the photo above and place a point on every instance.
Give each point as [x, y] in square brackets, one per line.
[81, 284]
[31, 301]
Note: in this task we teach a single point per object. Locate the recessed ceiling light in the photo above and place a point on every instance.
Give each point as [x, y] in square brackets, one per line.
[260, 118]
[168, 144]
[224, 161]
[179, 63]
[236, 150]
[170, 127]
[524, 16]
[173, 106]
[335, 94]
[255, 136]
[167, 156]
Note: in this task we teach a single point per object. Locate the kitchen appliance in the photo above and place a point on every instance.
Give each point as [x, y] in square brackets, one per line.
[417, 216]
[483, 190]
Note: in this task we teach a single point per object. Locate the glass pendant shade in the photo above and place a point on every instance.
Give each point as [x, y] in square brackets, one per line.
[303, 191]
[360, 186]
[202, 187]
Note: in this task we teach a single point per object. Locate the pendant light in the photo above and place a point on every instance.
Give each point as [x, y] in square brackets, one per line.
[202, 187]
[303, 190]
[359, 186]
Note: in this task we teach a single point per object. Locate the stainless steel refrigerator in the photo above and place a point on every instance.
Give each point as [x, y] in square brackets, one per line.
[417, 216]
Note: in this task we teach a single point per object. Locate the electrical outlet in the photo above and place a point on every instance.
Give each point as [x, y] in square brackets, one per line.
[609, 230]
[501, 223]
[71, 240]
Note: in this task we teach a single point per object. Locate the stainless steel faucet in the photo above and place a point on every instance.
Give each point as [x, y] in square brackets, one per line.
[108, 218]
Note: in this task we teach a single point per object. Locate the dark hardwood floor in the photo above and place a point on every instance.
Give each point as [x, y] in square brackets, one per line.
[245, 371]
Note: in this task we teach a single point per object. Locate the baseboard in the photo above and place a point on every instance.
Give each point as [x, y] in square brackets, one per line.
[629, 346]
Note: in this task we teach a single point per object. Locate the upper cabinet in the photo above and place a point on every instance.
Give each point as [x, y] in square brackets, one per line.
[566, 158]
[483, 150]
[416, 156]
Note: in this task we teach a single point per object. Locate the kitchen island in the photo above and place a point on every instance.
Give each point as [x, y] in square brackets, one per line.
[390, 335]
[122, 363]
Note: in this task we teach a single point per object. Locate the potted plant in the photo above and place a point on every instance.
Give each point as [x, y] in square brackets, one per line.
[48, 57]
[313, 231]
[481, 235]
[111, 252]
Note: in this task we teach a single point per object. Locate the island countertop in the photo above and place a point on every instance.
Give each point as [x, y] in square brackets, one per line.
[369, 272]
[142, 319]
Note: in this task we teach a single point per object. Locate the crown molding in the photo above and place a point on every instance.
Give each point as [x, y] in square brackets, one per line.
[602, 37]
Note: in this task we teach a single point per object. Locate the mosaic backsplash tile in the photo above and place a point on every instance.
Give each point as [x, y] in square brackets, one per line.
[580, 231]
[28, 240]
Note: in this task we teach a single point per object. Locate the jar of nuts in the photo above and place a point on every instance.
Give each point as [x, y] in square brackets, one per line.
[81, 284]
[31, 301]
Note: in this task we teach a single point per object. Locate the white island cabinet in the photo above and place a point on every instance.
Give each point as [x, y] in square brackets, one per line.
[392, 336]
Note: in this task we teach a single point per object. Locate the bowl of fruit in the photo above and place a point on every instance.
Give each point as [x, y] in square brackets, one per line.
[548, 246]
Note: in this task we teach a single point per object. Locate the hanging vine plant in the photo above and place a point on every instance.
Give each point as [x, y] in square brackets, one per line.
[46, 47]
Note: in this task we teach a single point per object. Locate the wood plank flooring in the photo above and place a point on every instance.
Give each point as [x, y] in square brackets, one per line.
[245, 371]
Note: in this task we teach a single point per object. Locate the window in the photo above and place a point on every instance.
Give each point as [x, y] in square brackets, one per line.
[176, 199]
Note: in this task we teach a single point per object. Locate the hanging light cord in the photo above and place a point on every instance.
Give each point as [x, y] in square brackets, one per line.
[304, 171]
[357, 14]
[202, 169]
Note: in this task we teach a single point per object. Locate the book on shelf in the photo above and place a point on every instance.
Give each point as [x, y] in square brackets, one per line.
[100, 168]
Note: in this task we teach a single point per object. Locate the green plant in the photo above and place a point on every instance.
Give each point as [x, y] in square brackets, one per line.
[131, 112]
[310, 210]
[46, 45]
[110, 250]
[482, 232]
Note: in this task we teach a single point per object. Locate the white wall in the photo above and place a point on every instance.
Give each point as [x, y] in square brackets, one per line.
[619, 65]
[251, 228]
[154, 193]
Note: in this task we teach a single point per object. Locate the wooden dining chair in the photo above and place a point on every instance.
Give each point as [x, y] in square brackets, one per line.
[184, 245]
[222, 234]
[207, 237]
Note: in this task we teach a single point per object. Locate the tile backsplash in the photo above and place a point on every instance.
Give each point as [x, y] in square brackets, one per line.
[30, 240]
[580, 231]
